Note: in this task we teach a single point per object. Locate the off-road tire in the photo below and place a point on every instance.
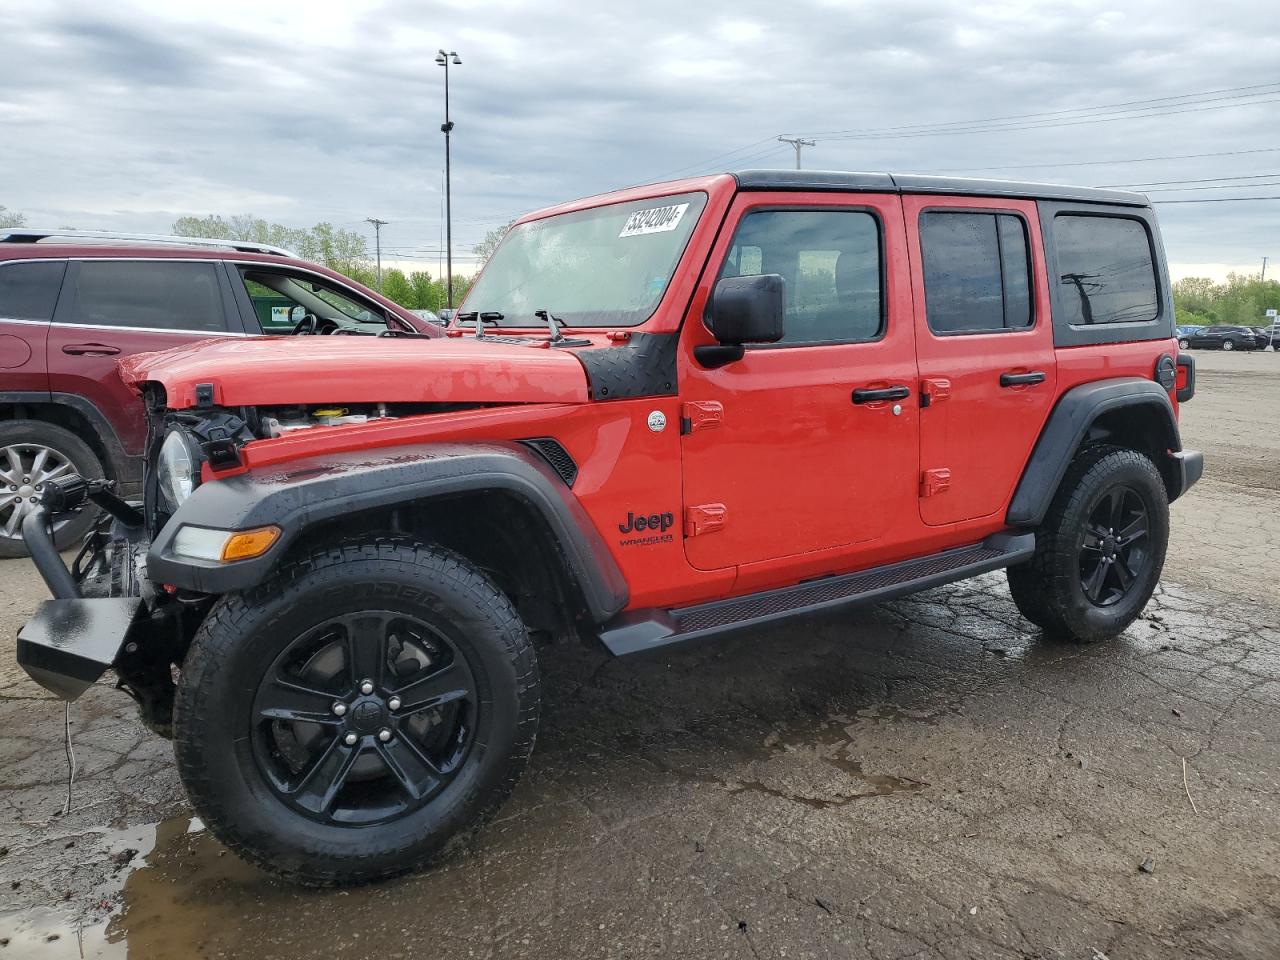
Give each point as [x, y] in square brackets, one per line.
[244, 632]
[1047, 588]
[82, 458]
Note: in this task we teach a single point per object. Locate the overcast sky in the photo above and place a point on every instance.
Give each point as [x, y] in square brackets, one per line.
[130, 114]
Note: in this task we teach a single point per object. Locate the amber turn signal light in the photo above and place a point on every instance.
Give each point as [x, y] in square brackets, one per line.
[247, 544]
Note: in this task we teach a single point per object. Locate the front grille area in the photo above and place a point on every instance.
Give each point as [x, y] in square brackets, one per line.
[556, 455]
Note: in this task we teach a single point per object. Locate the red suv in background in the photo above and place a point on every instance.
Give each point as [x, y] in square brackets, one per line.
[71, 305]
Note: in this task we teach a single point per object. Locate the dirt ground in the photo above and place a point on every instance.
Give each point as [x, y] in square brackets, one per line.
[925, 778]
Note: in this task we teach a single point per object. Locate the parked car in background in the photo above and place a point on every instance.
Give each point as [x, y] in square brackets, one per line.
[1220, 337]
[1189, 328]
[72, 304]
[1268, 336]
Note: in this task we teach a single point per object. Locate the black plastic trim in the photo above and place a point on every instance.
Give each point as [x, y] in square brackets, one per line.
[841, 182]
[644, 366]
[560, 460]
[1066, 429]
[309, 491]
[643, 630]
[1190, 467]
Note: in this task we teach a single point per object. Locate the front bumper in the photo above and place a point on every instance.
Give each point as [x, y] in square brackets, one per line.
[73, 639]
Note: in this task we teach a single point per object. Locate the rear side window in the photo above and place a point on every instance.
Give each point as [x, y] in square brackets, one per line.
[28, 291]
[154, 294]
[977, 276]
[830, 260]
[1105, 269]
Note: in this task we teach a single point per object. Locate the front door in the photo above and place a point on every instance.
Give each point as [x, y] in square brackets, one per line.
[809, 444]
[985, 346]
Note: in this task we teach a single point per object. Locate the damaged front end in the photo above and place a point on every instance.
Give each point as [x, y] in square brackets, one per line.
[104, 613]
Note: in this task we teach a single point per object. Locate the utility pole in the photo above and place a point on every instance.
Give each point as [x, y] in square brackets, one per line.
[443, 59]
[799, 143]
[377, 243]
[1264, 270]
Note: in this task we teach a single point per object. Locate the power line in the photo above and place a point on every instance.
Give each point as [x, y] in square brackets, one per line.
[1215, 200]
[1101, 163]
[1238, 186]
[1133, 104]
[1161, 183]
[1048, 125]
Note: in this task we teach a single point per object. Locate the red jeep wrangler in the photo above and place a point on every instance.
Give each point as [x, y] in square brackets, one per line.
[671, 412]
[73, 303]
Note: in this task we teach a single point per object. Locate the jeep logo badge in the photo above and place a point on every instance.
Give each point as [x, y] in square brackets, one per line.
[657, 421]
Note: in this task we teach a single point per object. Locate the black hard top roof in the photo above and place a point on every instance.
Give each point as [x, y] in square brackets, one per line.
[835, 181]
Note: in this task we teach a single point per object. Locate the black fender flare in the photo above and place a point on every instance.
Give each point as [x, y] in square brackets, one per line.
[1068, 426]
[302, 493]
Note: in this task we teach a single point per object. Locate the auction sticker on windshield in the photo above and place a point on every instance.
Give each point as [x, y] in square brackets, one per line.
[654, 220]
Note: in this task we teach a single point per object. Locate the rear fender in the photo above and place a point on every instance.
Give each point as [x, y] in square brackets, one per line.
[1099, 410]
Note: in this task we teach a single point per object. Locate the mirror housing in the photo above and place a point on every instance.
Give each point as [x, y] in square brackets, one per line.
[743, 310]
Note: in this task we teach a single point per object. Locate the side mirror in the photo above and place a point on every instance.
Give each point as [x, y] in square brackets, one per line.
[743, 310]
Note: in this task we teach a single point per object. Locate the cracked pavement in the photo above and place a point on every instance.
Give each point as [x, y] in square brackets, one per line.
[927, 778]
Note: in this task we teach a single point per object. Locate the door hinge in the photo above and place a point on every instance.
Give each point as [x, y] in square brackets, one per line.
[700, 415]
[935, 481]
[934, 390]
[704, 518]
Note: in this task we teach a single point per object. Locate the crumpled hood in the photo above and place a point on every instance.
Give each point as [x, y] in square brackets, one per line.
[280, 371]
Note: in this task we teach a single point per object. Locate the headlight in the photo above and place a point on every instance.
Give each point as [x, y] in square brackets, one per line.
[178, 470]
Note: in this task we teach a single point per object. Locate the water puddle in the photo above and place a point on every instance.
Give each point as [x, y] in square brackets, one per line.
[156, 904]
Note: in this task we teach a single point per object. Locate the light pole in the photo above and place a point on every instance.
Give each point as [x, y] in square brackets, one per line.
[377, 243]
[443, 59]
[799, 143]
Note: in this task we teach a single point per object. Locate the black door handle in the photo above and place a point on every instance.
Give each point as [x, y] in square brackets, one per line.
[1021, 379]
[869, 395]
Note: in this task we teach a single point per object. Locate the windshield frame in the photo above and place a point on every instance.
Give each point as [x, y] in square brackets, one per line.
[698, 197]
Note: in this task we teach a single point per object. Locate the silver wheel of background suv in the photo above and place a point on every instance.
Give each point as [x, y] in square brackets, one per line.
[24, 470]
[33, 453]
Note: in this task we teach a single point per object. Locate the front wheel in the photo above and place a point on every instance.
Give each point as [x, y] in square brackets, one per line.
[342, 722]
[1184, 344]
[1101, 548]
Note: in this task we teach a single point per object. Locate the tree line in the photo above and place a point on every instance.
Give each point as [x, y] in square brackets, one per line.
[1242, 300]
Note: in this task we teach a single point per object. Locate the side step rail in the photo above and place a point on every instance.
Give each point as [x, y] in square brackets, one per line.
[640, 630]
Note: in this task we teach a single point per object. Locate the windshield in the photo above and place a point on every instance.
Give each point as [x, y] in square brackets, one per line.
[607, 266]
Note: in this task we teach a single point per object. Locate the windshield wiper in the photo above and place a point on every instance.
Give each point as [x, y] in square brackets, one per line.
[558, 339]
[479, 318]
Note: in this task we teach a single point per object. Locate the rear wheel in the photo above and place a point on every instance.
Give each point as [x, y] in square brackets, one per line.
[1101, 548]
[345, 720]
[1228, 344]
[1184, 344]
[31, 454]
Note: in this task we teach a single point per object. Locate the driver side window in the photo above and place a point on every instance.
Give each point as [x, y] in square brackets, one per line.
[281, 299]
[830, 260]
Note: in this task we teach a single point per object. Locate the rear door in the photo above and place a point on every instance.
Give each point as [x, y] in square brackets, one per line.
[28, 294]
[111, 308]
[810, 444]
[984, 343]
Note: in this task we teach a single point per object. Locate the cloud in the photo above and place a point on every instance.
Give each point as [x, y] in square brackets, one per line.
[134, 113]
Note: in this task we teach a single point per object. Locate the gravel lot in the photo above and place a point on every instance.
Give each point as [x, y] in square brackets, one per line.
[927, 778]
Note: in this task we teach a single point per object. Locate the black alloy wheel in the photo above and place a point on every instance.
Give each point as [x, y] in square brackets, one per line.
[1113, 552]
[364, 718]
